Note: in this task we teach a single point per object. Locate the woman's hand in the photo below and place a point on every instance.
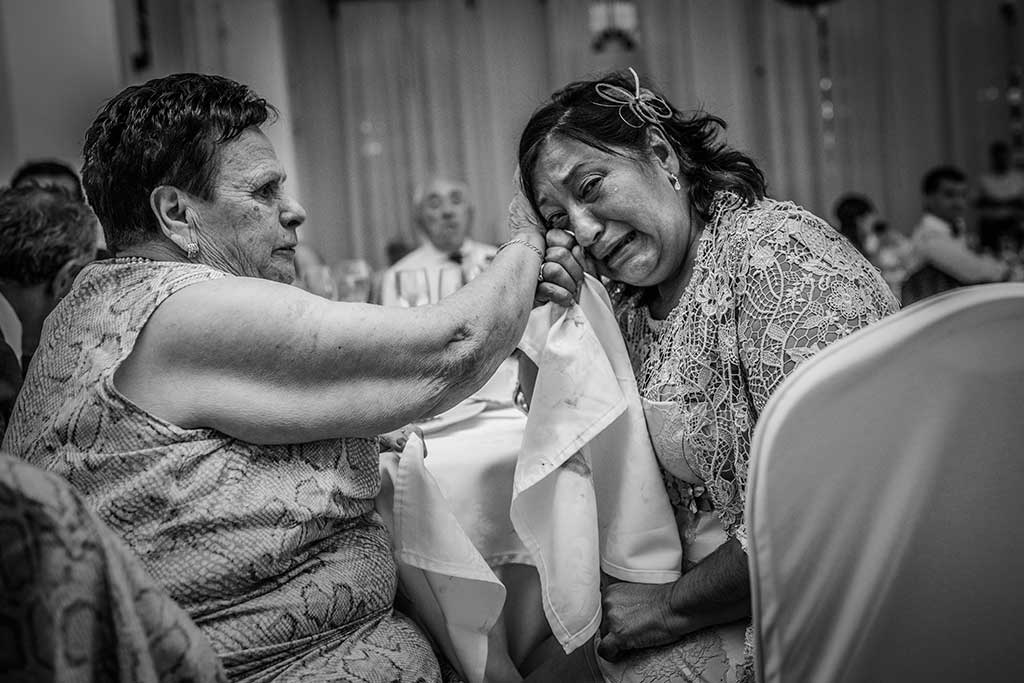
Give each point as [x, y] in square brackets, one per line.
[561, 273]
[563, 269]
[396, 440]
[637, 615]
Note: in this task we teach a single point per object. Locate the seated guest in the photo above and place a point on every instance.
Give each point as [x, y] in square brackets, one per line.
[53, 173]
[80, 605]
[943, 259]
[443, 216]
[1000, 202]
[223, 422]
[46, 236]
[720, 293]
[49, 173]
[885, 248]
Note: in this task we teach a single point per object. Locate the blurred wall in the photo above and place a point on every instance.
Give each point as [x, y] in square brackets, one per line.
[59, 61]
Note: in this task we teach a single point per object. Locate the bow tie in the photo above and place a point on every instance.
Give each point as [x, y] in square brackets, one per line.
[456, 257]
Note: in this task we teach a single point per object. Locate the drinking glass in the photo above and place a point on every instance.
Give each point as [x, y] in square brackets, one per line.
[449, 279]
[318, 280]
[412, 287]
[352, 277]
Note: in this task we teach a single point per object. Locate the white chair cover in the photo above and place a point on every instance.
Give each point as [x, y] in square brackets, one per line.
[885, 501]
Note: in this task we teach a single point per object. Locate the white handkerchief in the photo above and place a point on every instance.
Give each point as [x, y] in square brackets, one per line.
[456, 595]
[588, 493]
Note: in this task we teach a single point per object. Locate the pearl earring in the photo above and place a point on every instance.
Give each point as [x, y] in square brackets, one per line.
[675, 182]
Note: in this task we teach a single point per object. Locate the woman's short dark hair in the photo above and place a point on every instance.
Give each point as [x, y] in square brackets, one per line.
[578, 112]
[166, 131]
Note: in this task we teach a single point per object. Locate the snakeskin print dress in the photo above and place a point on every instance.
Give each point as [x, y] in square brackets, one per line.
[276, 552]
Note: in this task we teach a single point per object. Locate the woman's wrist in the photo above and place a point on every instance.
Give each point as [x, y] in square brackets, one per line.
[525, 242]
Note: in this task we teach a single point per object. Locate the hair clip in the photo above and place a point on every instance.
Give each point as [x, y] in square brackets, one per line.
[644, 105]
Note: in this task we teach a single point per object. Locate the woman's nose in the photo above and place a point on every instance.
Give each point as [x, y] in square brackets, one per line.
[586, 228]
[292, 214]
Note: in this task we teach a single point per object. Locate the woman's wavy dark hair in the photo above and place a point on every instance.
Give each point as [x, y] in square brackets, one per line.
[164, 132]
[578, 112]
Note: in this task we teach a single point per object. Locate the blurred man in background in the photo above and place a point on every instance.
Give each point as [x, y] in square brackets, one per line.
[943, 259]
[443, 215]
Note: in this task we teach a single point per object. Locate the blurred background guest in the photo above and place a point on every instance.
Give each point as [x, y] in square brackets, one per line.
[1000, 202]
[56, 173]
[49, 173]
[443, 215]
[46, 236]
[943, 259]
[886, 249]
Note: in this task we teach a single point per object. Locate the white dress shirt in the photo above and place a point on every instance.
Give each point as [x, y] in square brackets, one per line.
[474, 256]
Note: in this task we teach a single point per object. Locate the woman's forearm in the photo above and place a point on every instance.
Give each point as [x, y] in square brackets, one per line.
[715, 591]
[490, 313]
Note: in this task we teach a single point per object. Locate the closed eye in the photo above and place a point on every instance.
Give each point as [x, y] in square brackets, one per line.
[589, 186]
[557, 221]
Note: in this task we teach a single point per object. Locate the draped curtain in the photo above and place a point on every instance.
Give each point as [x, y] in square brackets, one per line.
[384, 92]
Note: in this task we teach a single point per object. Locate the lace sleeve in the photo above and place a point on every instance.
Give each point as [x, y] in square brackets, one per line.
[799, 287]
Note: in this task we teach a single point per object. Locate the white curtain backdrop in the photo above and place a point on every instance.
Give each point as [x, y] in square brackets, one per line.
[383, 92]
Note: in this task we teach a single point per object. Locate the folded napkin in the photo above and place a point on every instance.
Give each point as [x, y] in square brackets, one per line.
[588, 494]
[456, 595]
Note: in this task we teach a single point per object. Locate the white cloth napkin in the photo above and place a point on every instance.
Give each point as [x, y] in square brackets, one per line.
[588, 494]
[456, 595]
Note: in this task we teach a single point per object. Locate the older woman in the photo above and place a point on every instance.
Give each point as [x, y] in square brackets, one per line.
[720, 293]
[223, 422]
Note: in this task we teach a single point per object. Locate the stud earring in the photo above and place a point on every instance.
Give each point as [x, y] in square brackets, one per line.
[675, 182]
[191, 250]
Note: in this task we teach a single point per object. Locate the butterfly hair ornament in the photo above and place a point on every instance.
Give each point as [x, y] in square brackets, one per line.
[636, 109]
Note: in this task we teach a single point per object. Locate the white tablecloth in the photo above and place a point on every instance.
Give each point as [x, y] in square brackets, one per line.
[474, 463]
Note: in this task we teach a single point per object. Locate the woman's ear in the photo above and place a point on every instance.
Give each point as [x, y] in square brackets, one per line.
[173, 213]
[662, 151]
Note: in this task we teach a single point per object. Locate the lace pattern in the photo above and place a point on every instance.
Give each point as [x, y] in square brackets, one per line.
[772, 285]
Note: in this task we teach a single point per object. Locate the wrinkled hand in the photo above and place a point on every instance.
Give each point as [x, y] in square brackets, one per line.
[636, 615]
[561, 273]
[395, 441]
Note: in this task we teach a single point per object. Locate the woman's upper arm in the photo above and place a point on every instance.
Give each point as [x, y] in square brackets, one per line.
[798, 295]
[270, 363]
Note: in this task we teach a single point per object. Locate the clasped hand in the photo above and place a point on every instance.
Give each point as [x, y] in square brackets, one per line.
[637, 615]
[561, 273]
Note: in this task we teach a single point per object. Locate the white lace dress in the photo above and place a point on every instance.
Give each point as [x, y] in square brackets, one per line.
[772, 284]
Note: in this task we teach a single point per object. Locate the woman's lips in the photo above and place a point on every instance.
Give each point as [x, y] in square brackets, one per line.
[617, 248]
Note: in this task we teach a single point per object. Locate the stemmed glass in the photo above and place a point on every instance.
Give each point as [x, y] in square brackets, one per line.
[449, 279]
[352, 277]
[318, 280]
[412, 287]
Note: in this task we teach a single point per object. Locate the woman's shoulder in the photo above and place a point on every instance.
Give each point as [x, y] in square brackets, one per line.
[779, 227]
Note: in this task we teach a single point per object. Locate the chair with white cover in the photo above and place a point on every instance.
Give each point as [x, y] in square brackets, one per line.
[885, 501]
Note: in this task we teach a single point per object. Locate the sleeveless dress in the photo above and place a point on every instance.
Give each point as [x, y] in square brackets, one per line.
[276, 552]
[772, 285]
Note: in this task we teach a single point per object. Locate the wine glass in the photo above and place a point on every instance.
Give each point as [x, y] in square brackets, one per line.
[352, 277]
[318, 280]
[449, 279]
[412, 287]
